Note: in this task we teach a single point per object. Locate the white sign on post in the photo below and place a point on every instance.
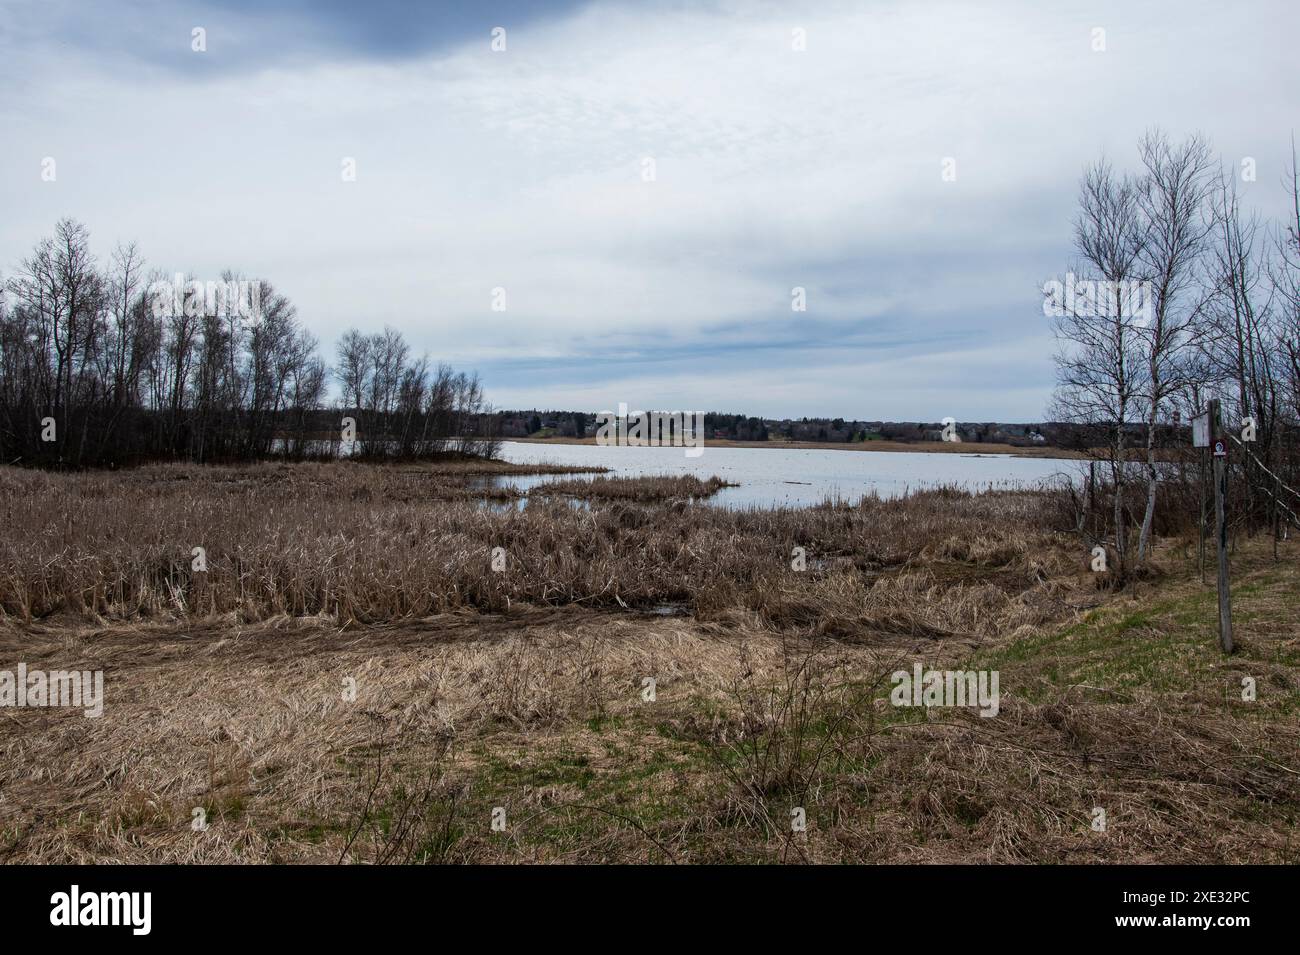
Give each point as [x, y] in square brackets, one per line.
[1201, 431]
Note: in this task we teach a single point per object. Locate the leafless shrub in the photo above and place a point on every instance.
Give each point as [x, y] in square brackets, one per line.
[795, 741]
[409, 815]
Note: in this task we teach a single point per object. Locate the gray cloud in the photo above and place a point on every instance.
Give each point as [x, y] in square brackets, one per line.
[523, 169]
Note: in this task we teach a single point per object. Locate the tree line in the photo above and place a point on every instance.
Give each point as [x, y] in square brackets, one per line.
[114, 363]
[1177, 294]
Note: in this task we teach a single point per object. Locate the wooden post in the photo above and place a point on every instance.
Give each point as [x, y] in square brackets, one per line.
[1219, 449]
[1202, 469]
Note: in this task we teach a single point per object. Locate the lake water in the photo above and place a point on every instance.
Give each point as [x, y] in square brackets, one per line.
[795, 477]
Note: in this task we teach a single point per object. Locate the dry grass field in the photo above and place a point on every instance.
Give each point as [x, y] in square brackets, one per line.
[351, 680]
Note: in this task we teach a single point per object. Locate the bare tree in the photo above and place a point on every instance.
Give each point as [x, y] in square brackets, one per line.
[1099, 359]
[1171, 197]
[129, 367]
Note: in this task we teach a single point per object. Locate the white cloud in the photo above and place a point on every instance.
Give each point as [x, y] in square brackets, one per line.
[774, 168]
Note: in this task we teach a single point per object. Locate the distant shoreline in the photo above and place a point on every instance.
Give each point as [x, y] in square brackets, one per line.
[929, 447]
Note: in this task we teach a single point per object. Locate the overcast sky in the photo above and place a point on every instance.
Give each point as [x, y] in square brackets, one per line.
[524, 169]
